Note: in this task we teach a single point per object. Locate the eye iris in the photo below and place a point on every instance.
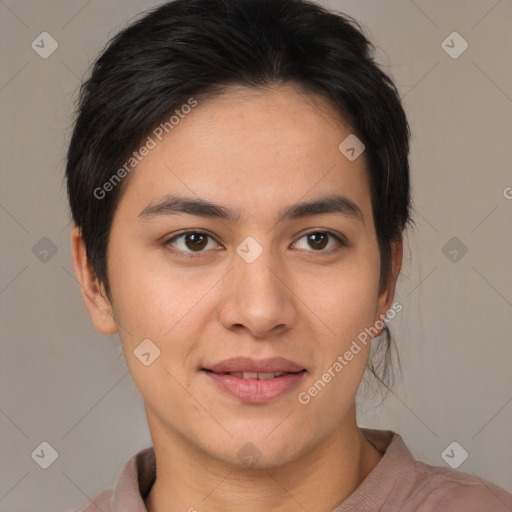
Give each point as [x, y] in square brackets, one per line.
[198, 241]
[313, 238]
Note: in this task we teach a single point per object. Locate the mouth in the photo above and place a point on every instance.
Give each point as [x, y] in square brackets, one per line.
[254, 375]
[262, 367]
[255, 381]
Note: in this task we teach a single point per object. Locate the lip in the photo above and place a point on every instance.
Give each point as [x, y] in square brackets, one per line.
[255, 391]
[247, 364]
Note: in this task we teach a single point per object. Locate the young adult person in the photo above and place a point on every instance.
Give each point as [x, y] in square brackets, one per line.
[239, 183]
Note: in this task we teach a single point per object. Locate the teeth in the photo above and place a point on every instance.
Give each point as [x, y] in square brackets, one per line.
[265, 376]
[259, 376]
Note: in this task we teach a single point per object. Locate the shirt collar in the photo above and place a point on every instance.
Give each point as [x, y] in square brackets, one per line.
[135, 482]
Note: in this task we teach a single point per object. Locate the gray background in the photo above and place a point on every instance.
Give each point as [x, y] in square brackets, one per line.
[64, 383]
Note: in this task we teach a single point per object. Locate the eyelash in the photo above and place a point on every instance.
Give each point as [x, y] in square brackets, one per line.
[191, 254]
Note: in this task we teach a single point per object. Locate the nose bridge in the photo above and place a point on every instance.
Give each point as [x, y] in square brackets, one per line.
[255, 269]
[258, 299]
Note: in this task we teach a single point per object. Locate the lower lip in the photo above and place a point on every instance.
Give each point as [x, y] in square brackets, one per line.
[255, 391]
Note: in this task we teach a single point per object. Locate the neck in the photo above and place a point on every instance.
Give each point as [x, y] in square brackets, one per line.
[319, 480]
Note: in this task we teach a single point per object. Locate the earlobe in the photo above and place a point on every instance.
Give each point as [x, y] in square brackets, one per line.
[93, 293]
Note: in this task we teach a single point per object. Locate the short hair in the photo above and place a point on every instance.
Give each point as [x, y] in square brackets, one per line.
[187, 49]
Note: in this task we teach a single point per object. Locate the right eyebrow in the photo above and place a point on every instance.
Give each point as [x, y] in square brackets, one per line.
[172, 205]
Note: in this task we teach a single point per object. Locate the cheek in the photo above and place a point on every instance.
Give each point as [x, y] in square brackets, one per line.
[156, 301]
[149, 297]
[159, 310]
[347, 298]
[347, 308]
[150, 303]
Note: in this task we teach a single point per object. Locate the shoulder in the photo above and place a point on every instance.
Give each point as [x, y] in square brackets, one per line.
[401, 482]
[101, 502]
[440, 488]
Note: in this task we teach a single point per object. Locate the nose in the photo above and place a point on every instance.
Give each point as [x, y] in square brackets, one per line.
[259, 297]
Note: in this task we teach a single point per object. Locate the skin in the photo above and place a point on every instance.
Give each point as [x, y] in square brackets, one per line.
[255, 151]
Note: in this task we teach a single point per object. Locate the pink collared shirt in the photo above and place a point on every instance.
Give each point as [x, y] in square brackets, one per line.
[398, 483]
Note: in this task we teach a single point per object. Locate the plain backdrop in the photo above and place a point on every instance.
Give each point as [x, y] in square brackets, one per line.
[63, 383]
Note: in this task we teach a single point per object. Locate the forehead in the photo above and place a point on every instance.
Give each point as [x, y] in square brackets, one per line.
[252, 149]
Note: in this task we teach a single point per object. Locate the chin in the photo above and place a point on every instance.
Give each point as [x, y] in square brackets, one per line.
[258, 451]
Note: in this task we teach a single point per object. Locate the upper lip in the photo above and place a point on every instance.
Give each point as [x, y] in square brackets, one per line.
[246, 364]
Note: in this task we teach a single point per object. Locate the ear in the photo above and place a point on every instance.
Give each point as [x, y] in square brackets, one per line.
[387, 295]
[93, 292]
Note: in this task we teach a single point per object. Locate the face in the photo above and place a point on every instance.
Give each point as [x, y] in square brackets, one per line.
[266, 280]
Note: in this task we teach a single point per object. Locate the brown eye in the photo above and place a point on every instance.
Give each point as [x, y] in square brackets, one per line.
[189, 242]
[317, 241]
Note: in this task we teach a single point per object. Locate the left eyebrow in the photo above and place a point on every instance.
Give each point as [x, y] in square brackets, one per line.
[173, 205]
[330, 204]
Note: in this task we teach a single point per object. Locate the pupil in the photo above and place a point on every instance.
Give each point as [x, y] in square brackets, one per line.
[197, 239]
[313, 237]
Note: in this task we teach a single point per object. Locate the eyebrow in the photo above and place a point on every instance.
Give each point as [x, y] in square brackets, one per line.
[174, 205]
